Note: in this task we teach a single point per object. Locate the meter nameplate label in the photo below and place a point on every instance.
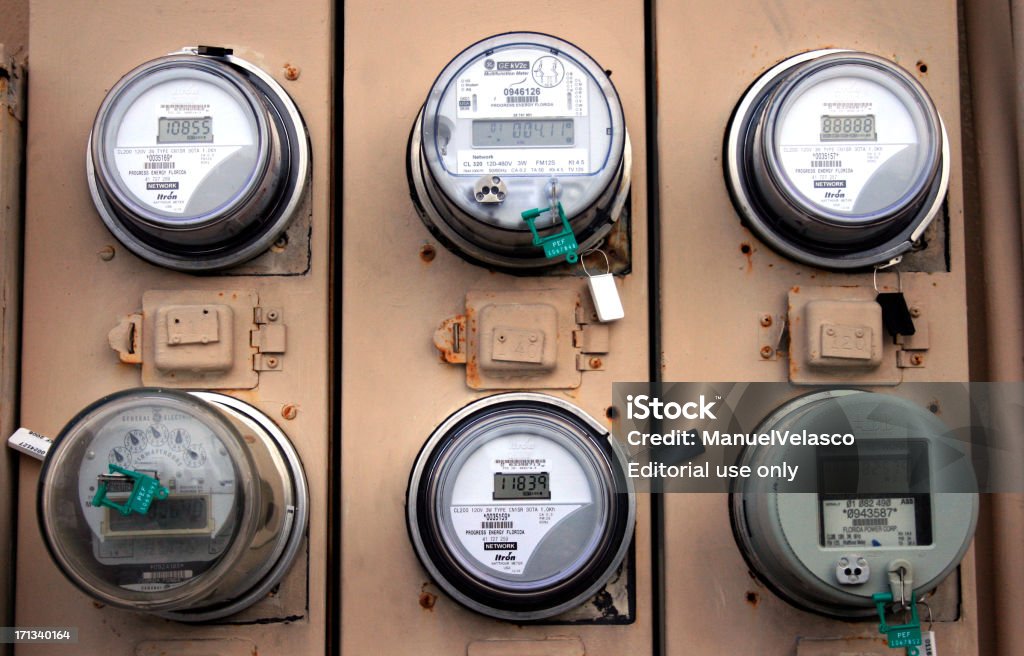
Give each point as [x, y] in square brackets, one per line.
[522, 82]
[524, 161]
[834, 174]
[165, 176]
[869, 522]
[501, 532]
[503, 537]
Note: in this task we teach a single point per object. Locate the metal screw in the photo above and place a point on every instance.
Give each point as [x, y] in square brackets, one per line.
[272, 315]
[595, 363]
[106, 253]
[533, 338]
[501, 338]
[767, 352]
[766, 320]
[271, 362]
[859, 332]
[916, 359]
[915, 311]
[830, 332]
[281, 242]
[289, 411]
[291, 72]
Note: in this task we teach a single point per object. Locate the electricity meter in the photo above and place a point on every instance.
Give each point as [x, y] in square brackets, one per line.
[837, 159]
[519, 507]
[197, 161]
[891, 512]
[520, 154]
[191, 506]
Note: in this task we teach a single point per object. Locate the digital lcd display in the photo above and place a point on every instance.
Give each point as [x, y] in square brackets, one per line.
[523, 133]
[848, 128]
[869, 522]
[533, 485]
[196, 129]
[876, 494]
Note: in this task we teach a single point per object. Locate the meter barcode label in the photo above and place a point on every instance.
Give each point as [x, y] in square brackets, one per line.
[168, 576]
[159, 165]
[826, 163]
[523, 99]
[871, 522]
[496, 525]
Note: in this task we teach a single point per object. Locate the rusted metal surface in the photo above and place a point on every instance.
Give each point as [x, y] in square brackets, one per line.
[69, 284]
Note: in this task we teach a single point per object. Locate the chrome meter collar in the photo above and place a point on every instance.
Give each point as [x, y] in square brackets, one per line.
[828, 552]
[837, 159]
[518, 506]
[196, 161]
[513, 123]
[228, 530]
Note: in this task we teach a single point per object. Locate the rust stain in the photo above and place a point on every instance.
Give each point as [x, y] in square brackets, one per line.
[934, 408]
[611, 412]
[748, 252]
[796, 289]
[472, 366]
[427, 599]
[753, 598]
[290, 411]
[251, 439]
[444, 340]
[427, 253]
[291, 72]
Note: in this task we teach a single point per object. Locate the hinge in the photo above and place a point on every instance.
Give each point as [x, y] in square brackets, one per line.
[913, 348]
[269, 339]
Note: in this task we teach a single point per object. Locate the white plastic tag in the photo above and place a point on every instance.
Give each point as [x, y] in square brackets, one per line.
[606, 297]
[928, 644]
[30, 443]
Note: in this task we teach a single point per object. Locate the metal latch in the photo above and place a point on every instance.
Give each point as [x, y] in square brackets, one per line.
[541, 339]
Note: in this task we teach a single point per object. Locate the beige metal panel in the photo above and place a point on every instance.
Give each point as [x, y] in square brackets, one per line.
[12, 160]
[395, 389]
[713, 291]
[73, 296]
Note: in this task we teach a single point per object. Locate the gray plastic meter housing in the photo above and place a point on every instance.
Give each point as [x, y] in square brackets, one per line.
[197, 161]
[515, 122]
[837, 159]
[519, 508]
[829, 551]
[228, 529]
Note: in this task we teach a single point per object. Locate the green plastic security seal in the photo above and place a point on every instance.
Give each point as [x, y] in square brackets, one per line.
[145, 489]
[562, 243]
[899, 635]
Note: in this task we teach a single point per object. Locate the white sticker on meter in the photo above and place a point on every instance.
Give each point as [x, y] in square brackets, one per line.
[174, 136]
[869, 522]
[833, 137]
[522, 104]
[522, 83]
[510, 494]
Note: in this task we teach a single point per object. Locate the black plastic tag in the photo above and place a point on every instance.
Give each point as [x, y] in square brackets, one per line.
[895, 313]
